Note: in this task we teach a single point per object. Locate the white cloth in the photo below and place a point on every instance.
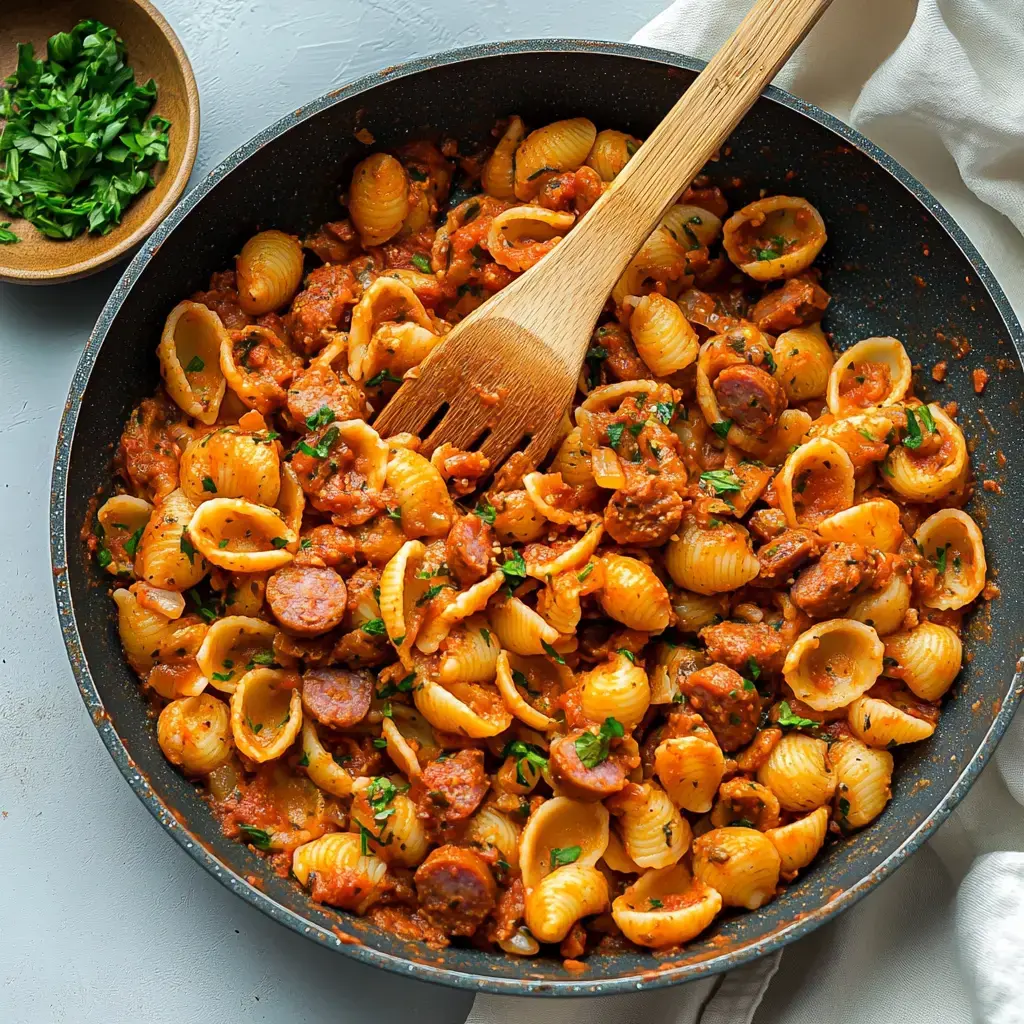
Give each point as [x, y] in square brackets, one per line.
[939, 86]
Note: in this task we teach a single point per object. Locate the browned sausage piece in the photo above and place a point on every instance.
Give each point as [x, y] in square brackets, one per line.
[337, 697]
[456, 889]
[827, 587]
[781, 557]
[749, 397]
[578, 781]
[451, 789]
[799, 301]
[468, 549]
[730, 710]
[767, 523]
[737, 644]
[320, 387]
[646, 516]
[306, 600]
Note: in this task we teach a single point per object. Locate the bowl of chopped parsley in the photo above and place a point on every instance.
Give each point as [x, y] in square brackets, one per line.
[99, 124]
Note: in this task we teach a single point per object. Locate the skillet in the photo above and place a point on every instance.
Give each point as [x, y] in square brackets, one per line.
[895, 264]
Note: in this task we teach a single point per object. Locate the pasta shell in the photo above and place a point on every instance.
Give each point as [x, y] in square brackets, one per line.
[695, 611]
[749, 233]
[266, 713]
[652, 830]
[470, 654]
[123, 518]
[291, 503]
[561, 824]
[233, 646]
[741, 864]
[519, 237]
[803, 362]
[693, 224]
[399, 837]
[268, 271]
[241, 536]
[497, 176]
[466, 604]
[931, 476]
[952, 540]
[833, 663]
[617, 688]
[514, 700]
[875, 524]
[142, 631]
[561, 146]
[610, 153]
[573, 558]
[711, 561]
[799, 842]
[230, 464]
[864, 782]
[572, 461]
[816, 481]
[883, 609]
[321, 768]
[520, 629]
[469, 709]
[875, 371]
[336, 858]
[665, 907]
[691, 770]
[928, 658]
[195, 733]
[880, 724]
[378, 198]
[663, 336]
[189, 354]
[489, 829]
[167, 556]
[422, 495]
[798, 773]
[562, 898]
[616, 858]
[633, 595]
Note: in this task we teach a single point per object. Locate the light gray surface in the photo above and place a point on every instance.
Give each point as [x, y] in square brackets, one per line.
[102, 917]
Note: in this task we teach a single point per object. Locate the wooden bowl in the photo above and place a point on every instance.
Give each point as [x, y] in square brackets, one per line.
[154, 51]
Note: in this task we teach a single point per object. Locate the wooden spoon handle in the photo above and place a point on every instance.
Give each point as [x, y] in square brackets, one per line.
[598, 250]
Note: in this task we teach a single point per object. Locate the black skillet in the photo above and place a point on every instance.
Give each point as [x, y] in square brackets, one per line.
[895, 263]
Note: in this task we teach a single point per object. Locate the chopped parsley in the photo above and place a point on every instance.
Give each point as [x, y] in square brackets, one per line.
[375, 627]
[914, 437]
[614, 431]
[525, 754]
[323, 448]
[940, 559]
[421, 263]
[560, 856]
[430, 593]
[320, 418]
[753, 668]
[278, 542]
[402, 686]
[379, 378]
[195, 365]
[259, 837]
[209, 485]
[103, 558]
[514, 570]
[305, 543]
[186, 548]
[486, 511]
[788, 720]
[722, 481]
[721, 428]
[664, 411]
[552, 653]
[844, 807]
[131, 545]
[627, 653]
[654, 904]
[927, 419]
[592, 748]
[261, 658]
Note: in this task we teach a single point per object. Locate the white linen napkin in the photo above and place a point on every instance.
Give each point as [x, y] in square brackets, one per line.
[940, 85]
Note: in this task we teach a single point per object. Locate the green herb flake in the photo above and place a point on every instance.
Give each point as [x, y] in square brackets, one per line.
[525, 754]
[209, 485]
[614, 431]
[304, 760]
[322, 448]
[186, 548]
[395, 514]
[305, 543]
[844, 807]
[195, 365]
[722, 481]
[940, 559]
[664, 411]
[721, 428]
[278, 542]
[626, 653]
[320, 418]
[103, 558]
[585, 572]
[592, 748]
[379, 378]
[131, 545]
[375, 627]
[486, 511]
[259, 837]
[654, 904]
[514, 570]
[421, 263]
[914, 437]
[560, 856]
[552, 653]
[788, 720]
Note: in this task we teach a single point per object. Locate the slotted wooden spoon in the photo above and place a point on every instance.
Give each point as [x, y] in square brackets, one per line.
[508, 371]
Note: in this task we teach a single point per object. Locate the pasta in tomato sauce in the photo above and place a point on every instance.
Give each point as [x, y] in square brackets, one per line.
[570, 705]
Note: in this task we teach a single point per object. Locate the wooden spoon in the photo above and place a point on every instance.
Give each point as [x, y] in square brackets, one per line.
[509, 370]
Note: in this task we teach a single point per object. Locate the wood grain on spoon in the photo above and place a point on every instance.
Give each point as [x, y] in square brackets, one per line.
[509, 370]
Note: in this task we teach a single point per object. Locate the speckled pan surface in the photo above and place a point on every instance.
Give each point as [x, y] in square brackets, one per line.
[895, 264]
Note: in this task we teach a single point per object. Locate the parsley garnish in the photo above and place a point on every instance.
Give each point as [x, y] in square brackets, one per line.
[552, 653]
[421, 263]
[627, 653]
[926, 418]
[585, 572]
[261, 658]
[664, 411]
[378, 378]
[940, 559]
[721, 428]
[402, 686]
[914, 436]
[614, 431]
[654, 904]
[323, 448]
[259, 837]
[186, 547]
[789, 720]
[278, 542]
[844, 807]
[515, 571]
[320, 418]
[375, 627]
[722, 481]
[103, 558]
[525, 753]
[195, 365]
[486, 511]
[209, 485]
[430, 593]
[753, 668]
[131, 545]
[560, 856]
[305, 543]
[592, 748]
[395, 514]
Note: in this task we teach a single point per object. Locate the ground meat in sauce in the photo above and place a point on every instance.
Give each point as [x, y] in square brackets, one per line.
[799, 301]
[744, 646]
[645, 516]
[509, 912]
[329, 291]
[730, 710]
[750, 397]
[336, 697]
[756, 755]
[468, 549]
[578, 781]
[307, 600]
[781, 557]
[450, 789]
[456, 889]
[574, 945]
[826, 588]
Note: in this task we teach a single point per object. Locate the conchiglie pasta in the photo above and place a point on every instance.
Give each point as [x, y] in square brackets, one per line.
[231, 647]
[561, 824]
[816, 481]
[633, 595]
[123, 518]
[663, 336]
[928, 658]
[321, 768]
[241, 536]
[421, 493]
[230, 464]
[934, 474]
[610, 152]
[875, 371]
[875, 524]
[167, 557]
[950, 538]
[741, 864]
[652, 830]
[798, 772]
[497, 176]
[694, 224]
[378, 198]
[617, 688]
[691, 770]
[337, 858]
[189, 354]
[469, 709]
[695, 611]
[470, 653]
[438, 627]
[803, 362]
[516, 703]
[575, 557]
[774, 238]
[665, 907]
[864, 776]
[711, 561]
[268, 271]
[142, 631]
[572, 461]
[519, 628]
[880, 724]
[490, 829]
[266, 713]
[562, 898]
[391, 819]
[519, 237]
[557, 147]
[833, 663]
[798, 843]
[885, 609]
[195, 733]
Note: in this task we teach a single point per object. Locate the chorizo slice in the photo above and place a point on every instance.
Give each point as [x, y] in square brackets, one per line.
[781, 557]
[730, 709]
[799, 301]
[750, 397]
[337, 697]
[468, 549]
[826, 588]
[738, 644]
[451, 788]
[646, 516]
[307, 600]
[456, 889]
[578, 781]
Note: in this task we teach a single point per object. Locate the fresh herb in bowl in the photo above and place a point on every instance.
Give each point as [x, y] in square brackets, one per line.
[77, 146]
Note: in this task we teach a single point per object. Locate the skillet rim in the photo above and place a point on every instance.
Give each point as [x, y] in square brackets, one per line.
[643, 980]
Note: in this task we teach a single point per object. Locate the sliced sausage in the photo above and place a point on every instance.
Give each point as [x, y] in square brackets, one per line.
[468, 549]
[646, 516]
[800, 300]
[329, 291]
[741, 644]
[337, 697]
[768, 523]
[450, 789]
[751, 398]
[456, 889]
[826, 588]
[621, 357]
[320, 387]
[307, 600]
[328, 545]
[578, 781]
[781, 557]
[730, 710]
